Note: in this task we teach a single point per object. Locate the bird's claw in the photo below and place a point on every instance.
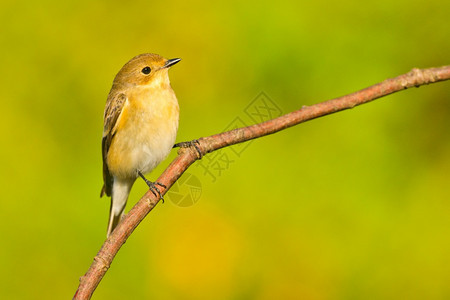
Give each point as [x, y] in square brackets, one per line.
[152, 186]
[155, 191]
[193, 143]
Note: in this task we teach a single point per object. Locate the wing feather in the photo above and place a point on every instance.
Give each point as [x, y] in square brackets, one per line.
[113, 110]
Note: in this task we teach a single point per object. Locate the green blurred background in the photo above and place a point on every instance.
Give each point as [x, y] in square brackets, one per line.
[350, 206]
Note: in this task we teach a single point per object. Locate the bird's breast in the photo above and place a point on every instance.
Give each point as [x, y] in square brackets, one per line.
[145, 133]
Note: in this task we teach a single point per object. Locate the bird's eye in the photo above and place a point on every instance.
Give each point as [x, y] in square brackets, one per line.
[146, 70]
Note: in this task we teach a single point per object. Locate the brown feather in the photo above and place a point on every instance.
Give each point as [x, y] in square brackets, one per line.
[113, 109]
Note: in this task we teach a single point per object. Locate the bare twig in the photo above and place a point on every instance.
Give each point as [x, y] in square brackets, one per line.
[187, 156]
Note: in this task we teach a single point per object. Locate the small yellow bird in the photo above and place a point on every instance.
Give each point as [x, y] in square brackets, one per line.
[140, 127]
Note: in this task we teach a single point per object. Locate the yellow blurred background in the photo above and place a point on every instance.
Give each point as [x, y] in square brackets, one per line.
[350, 206]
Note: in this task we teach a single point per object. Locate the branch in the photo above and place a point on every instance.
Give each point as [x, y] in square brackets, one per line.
[187, 156]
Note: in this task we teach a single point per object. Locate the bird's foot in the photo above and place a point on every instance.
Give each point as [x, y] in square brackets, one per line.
[193, 143]
[153, 186]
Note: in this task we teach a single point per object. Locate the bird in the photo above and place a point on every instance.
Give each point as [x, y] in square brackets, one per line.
[140, 127]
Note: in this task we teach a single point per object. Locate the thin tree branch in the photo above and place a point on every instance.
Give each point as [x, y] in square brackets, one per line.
[187, 156]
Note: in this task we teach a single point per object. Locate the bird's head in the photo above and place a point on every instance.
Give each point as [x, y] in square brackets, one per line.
[145, 69]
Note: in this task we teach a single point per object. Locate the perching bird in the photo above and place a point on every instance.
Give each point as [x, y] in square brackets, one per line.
[140, 127]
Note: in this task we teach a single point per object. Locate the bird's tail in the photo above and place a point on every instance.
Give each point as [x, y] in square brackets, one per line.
[120, 191]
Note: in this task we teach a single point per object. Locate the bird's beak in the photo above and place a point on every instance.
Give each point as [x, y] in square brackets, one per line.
[171, 62]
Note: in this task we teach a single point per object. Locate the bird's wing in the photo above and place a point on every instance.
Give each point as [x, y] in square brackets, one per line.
[113, 110]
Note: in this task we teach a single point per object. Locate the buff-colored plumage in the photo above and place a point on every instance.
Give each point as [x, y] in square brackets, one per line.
[140, 126]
